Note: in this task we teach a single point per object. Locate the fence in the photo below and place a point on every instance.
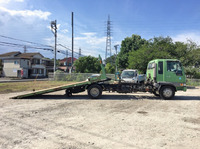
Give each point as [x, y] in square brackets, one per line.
[193, 82]
[62, 76]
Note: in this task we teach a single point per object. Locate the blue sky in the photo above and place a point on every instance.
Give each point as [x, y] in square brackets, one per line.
[30, 20]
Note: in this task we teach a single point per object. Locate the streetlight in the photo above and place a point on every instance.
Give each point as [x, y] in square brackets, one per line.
[54, 31]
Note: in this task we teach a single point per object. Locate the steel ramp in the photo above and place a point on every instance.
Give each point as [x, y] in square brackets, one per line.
[53, 89]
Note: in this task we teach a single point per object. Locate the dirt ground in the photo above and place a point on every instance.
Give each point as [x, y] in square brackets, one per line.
[117, 121]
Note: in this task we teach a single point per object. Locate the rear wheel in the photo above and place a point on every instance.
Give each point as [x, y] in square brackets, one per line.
[94, 91]
[68, 93]
[167, 92]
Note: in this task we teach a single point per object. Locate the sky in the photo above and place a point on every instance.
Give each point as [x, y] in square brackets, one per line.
[29, 20]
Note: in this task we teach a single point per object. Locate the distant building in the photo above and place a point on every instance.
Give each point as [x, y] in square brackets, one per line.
[25, 65]
[66, 65]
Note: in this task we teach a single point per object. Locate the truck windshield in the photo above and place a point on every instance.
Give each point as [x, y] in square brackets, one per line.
[128, 74]
[174, 66]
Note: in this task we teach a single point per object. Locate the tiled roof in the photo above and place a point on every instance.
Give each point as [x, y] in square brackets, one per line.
[27, 55]
[10, 54]
[69, 59]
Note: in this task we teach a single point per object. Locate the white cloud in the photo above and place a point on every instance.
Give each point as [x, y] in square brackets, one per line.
[90, 44]
[184, 37]
[8, 1]
[65, 31]
[58, 26]
[26, 13]
[19, 0]
[91, 38]
[89, 34]
[4, 1]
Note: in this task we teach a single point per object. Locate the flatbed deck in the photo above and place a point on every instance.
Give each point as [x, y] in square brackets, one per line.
[53, 89]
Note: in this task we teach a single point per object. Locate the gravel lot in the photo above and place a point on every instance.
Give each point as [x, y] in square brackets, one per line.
[118, 121]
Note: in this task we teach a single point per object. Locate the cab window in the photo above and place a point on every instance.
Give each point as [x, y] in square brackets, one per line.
[174, 66]
[128, 74]
[150, 65]
[160, 67]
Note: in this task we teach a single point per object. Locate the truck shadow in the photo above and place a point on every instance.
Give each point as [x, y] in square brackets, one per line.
[85, 97]
[186, 98]
[82, 97]
[109, 97]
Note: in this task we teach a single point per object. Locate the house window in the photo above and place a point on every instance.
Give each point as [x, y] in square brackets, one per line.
[16, 62]
[42, 71]
[36, 61]
[34, 71]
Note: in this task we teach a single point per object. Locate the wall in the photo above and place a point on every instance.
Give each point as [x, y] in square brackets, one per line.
[11, 67]
[38, 67]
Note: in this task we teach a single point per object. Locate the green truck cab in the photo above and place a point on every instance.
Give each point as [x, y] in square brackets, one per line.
[167, 77]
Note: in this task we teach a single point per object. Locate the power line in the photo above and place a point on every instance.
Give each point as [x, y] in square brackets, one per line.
[68, 49]
[22, 45]
[25, 41]
[34, 47]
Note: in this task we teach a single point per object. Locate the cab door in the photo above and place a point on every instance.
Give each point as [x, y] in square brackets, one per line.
[173, 72]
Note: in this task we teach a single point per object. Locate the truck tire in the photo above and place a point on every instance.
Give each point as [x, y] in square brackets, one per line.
[167, 92]
[94, 91]
[68, 93]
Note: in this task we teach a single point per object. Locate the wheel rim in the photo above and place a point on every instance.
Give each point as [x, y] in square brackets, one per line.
[167, 92]
[94, 92]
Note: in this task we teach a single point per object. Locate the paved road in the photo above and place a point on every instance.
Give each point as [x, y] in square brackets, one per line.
[116, 121]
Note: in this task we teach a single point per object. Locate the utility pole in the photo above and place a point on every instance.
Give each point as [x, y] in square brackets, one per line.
[116, 57]
[54, 31]
[72, 41]
[79, 54]
[25, 49]
[66, 59]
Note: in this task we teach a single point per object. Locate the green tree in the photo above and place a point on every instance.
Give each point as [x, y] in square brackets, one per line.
[192, 57]
[87, 64]
[132, 43]
[111, 59]
[110, 68]
[156, 48]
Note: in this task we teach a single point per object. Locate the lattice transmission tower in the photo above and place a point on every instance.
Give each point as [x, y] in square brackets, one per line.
[108, 39]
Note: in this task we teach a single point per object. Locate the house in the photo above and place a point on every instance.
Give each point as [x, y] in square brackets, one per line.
[25, 65]
[66, 64]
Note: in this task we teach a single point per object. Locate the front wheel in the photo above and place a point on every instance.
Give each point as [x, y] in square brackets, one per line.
[167, 92]
[94, 91]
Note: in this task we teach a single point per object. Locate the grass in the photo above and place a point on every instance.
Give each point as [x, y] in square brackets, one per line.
[195, 82]
[28, 86]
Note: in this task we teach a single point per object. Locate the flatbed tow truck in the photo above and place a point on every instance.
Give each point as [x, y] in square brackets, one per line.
[164, 78]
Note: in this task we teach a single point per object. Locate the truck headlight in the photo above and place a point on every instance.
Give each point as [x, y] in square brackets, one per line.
[182, 84]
